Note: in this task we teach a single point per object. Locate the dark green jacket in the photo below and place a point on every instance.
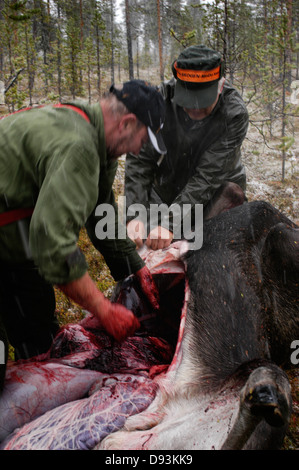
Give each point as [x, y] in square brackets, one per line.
[53, 160]
[201, 155]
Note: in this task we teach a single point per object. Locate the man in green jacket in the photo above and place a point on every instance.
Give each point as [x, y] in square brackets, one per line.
[206, 122]
[57, 165]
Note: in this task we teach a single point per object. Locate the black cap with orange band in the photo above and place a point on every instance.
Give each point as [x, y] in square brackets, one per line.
[197, 70]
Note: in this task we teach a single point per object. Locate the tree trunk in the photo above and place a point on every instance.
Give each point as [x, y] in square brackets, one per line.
[129, 41]
[112, 41]
[160, 42]
[225, 32]
[98, 59]
[59, 72]
[289, 6]
[81, 24]
[283, 124]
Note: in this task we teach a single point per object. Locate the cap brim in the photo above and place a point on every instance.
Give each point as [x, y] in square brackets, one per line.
[157, 141]
[195, 98]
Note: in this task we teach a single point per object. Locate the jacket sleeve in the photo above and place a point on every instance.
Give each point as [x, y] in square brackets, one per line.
[107, 231]
[66, 197]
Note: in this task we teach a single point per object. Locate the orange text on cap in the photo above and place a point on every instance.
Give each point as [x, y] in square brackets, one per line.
[199, 76]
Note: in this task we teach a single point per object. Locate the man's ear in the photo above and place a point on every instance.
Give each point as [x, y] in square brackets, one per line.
[127, 121]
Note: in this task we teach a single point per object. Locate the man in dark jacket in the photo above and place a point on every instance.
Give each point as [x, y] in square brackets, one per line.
[205, 125]
[57, 165]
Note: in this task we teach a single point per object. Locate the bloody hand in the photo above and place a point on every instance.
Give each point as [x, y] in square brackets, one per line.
[148, 286]
[118, 321]
[115, 318]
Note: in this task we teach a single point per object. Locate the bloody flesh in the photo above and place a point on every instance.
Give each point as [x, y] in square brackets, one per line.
[120, 378]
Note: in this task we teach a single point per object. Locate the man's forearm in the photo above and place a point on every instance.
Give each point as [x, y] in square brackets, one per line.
[118, 321]
[84, 292]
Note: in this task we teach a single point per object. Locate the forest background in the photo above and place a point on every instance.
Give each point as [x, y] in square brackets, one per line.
[54, 50]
